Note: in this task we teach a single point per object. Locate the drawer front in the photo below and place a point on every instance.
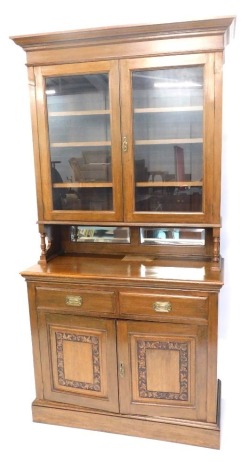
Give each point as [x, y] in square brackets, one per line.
[75, 300]
[164, 306]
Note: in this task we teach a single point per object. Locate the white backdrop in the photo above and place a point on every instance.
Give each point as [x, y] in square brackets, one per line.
[36, 446]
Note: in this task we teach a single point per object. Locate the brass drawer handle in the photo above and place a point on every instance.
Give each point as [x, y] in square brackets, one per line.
[74, 300]
[162, 307]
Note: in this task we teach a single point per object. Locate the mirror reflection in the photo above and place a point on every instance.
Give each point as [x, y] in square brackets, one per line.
[94, 234]
[172, 236]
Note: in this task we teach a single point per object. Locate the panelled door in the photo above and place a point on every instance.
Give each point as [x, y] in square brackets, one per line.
[162, 369]
[157, 369]
[129, 140]
[78, 116]
[168, 134]
[79, 360]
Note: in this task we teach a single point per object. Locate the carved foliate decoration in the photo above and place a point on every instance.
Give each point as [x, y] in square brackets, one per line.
[182, 348]
[94, 341]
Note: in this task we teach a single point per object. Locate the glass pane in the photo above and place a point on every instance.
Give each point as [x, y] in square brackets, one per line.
[100, 234]
[80, 139]
[86, 199]
[168, 139]
[168, 199]
[172, 236]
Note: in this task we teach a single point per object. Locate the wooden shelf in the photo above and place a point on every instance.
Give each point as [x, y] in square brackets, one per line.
[86, 184]
[180, 184]
[171, 109]
[169, 141]
[97, 112]
[105, 143]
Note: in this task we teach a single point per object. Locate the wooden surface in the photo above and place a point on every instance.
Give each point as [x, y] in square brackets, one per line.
[128, 344]
[209, 28]
[78, 359]
[184, 432]
[106, 268]
[100, 344]
[128, 48]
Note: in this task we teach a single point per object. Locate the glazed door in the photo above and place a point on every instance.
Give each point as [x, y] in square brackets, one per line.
[168, 134]
[163, 369]
[78, 357]
[78, 116]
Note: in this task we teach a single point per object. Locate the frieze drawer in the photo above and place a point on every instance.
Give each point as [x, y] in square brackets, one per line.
[75, 300]
[164, 306]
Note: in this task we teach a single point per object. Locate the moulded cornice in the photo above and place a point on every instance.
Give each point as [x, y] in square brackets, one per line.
[121, 34]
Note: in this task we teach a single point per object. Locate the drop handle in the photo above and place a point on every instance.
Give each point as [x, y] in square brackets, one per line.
[121, 370]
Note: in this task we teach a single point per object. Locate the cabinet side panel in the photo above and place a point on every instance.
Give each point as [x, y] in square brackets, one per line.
[217, 134]
[35, 340]
[212, 358]
[35, 134]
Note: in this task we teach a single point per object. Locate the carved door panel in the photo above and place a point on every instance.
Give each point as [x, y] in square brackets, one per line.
[79, 360]
[162, 369]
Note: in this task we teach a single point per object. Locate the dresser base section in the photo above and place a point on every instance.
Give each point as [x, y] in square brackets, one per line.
[183, 432]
